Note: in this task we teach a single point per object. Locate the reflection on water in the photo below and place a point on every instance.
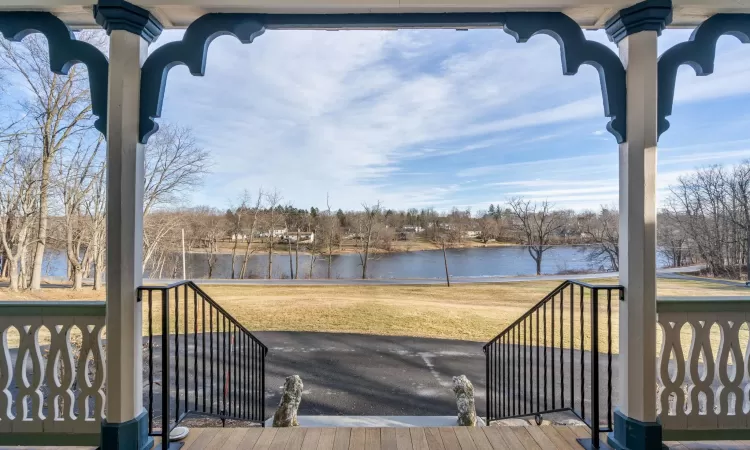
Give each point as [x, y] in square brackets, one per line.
[468, 262]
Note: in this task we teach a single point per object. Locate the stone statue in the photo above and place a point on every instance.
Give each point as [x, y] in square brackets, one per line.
[286, 415]
[464, 390]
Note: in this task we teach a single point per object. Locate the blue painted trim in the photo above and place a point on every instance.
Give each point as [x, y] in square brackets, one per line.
[649, 15]
[130, 435]
[631, 434]
[699, 52]
[64, 51]
[192, 50]
[49, 439]
[122, 15]
[576, 50]
[719, 434]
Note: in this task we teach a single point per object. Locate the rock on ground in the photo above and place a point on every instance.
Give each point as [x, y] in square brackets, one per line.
[464, 390]
[286, 414]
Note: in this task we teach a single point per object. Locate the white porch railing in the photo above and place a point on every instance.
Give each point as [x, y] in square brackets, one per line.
[51, 373]
[703, 379]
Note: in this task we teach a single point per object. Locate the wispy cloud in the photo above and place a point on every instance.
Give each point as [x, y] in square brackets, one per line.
[410, 117]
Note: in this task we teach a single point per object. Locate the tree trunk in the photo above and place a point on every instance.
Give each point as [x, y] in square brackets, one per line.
[36, 271]
[13, 274]
[747, 260]
[296, 257]
[539, 265]
[445, 260]
[367, 254]
[270, 253]
[243, 269]
[98, 272]
[234, 251]
[289, 248]
[77, 278]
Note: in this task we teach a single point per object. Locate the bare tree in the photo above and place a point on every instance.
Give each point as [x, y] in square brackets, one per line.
[19, 197]
[273, 199]
[57, 107]
[602, 230]
[331, 231]
[96, 209]
[249, 230]
[538, 223]
[75, 175]
[367, 222]
[174, 165]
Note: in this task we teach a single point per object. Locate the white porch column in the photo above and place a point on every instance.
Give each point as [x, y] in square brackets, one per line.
[636, 31]
[638, 231]
[124, 228]
[126, 423]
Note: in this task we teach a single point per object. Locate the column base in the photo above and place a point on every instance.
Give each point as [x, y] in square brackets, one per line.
[631, 434]
[130, 435]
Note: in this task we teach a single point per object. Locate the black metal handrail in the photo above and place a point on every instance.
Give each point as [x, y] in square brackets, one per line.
[534, 366]
[215, 366]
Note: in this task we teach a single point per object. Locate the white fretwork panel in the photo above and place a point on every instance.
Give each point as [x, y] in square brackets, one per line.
[54, 385]
[705, 387]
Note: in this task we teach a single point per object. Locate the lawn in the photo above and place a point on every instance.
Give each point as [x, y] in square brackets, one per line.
[474, 312]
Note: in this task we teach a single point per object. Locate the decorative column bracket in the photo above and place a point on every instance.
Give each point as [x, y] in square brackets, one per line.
[699, 52]
[192, 50]
[64, 52]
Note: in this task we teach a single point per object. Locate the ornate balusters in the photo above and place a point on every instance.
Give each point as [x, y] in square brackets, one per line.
[708, 390]
[42, 387]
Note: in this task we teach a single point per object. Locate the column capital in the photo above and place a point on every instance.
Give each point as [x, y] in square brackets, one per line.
[121, 15]
[649, 15]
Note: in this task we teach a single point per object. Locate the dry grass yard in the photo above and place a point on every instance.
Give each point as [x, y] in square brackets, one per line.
[474, 312]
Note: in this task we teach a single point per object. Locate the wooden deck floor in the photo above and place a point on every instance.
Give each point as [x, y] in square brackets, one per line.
[449, 438]
[453, 438]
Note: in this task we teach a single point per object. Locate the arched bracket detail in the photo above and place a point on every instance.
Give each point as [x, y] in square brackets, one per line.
[64, 52]
[576, 50]
[192, 50]
[699, 52]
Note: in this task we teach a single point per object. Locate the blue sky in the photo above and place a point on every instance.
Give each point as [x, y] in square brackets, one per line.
[441, 118]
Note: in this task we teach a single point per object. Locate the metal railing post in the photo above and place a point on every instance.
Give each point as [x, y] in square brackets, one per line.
[594, 368]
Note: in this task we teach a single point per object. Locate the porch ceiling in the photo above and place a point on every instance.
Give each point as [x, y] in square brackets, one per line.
[180, 13]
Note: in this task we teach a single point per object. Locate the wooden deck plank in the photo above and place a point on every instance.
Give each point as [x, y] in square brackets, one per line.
[281, 438]
[388, 439]
[418, 439]
[232, 441]
[250, 438]
[372, 439]
[511, 437]
[580, 431]
[541, 439]
[205, 436]
[434, 441]
[295, 439]
[327, 437]
[464, 439]
[568, 435]
[191, 437]
[357, 439]
[555, 437]
[341, 441]
[527, 441]
[450, 441]
[311, 439]
[480, 439]
[403, 439]
[495, 438]
[265, 439]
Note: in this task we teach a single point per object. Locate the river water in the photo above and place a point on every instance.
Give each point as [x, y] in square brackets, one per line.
[467, 262]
